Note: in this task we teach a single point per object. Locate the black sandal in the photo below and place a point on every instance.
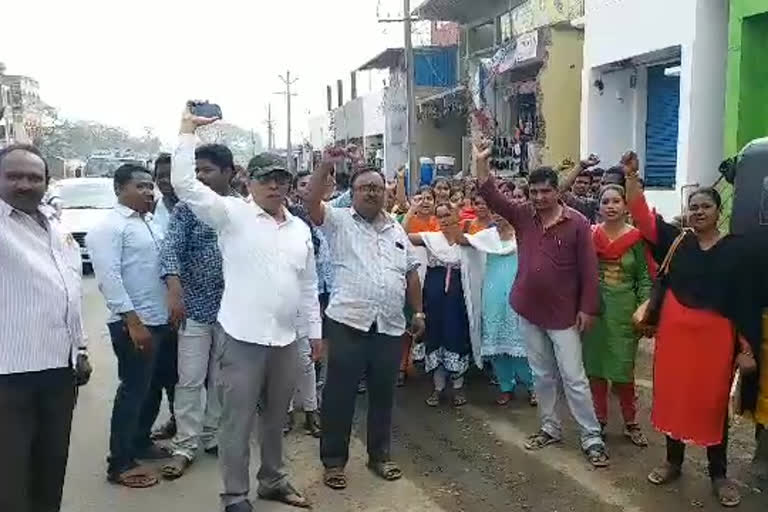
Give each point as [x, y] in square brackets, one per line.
[597, 456]
[335, 478]
[389, 471]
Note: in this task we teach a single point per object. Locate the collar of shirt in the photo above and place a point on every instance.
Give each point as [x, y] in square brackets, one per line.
[380, 223]
[6, 210]
[264, 213]
[565, 215]
[129, 212]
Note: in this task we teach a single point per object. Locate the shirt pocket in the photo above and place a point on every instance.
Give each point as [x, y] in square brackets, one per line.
[562, 251]
[395, 255]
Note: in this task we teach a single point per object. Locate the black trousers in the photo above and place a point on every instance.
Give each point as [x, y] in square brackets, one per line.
[350, 354]
[139, 394]
[35, 423]
[717, 455]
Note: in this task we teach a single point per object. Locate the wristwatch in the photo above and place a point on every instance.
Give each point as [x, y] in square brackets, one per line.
[423, 316]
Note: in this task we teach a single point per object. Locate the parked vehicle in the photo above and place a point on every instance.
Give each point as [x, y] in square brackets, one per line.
[82, 203]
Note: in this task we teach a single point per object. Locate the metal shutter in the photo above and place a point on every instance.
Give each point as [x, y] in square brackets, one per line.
[661, 128]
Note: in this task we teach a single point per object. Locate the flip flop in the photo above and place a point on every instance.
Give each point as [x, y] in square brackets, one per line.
[504, 399]
[335, 478]
[135, 478]
[635, 434]
[459, 399]
[539, 440]
[176, 467]
[727, 493]
[388, 470]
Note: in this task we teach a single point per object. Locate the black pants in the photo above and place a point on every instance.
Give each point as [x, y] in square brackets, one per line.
[350, 353]
[716, 455]
[166, 374]
[35, 422]
[138, 396]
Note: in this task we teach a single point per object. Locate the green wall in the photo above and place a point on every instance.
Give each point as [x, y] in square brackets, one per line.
[746, 115]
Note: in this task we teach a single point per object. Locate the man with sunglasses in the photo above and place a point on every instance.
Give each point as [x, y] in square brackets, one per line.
[270, 299]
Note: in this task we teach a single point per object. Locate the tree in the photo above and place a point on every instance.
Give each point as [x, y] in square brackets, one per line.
[243, 143]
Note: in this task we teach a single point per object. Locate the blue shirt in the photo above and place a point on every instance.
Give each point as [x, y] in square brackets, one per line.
[190, 250]
[125, 251]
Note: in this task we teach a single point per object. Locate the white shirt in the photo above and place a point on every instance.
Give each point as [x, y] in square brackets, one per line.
[41, 325]
[370, 263]
[270, 283]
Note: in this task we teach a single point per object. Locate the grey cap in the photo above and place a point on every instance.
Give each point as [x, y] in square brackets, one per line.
[264, 164]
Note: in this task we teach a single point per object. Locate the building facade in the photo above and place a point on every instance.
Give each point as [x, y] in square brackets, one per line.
[654, 81]
[746, 111]
[521, 67]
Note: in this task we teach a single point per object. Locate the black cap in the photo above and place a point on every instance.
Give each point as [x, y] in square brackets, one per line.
[264, 164]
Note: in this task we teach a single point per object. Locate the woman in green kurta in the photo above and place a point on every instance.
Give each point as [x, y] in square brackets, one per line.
[610, 346]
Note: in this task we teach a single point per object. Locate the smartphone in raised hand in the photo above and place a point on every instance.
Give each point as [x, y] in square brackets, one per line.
[204, 109]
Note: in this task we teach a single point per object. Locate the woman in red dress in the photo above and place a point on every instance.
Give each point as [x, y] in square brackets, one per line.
[705, 322]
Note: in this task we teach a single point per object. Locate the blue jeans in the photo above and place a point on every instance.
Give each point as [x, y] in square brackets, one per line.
[136, 400]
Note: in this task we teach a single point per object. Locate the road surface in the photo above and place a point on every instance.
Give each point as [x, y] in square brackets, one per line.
[467, 460]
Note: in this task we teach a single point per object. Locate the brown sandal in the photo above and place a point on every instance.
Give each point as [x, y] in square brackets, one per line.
[665, 474]
[135, 478]
[335, 478]
[503, 399]
[635, 434]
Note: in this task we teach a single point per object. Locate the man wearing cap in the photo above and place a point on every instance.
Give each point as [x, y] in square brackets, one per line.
[270, 299]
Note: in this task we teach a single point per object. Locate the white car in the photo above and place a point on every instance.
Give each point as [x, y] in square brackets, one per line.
[82, 203]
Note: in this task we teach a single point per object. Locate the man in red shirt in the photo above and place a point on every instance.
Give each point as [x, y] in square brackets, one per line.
[556, 295]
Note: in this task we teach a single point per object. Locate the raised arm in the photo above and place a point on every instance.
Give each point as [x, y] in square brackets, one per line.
[570, 177]
[318, 183]
[209, 206]
[497, 201]
[401, 198]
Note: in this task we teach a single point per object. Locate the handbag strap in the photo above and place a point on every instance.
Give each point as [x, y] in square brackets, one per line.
[664, 267]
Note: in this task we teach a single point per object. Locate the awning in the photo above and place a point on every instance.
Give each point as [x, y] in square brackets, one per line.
[389, 58]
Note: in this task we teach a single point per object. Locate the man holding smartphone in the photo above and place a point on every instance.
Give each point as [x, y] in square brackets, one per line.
[269, 300]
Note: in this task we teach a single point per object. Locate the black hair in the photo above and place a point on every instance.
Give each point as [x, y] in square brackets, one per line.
[124, 174]
[440, 179]
[596, 172]
[478, 195]
[364, 170]
[617, 170]
[444, 204]
[585, 174]
[425, 189]
[611, 186]
[162, 159]
[29, 148]
[299, 175]
[544, 175]
[707, 191]
[524, 188]
[218, 154]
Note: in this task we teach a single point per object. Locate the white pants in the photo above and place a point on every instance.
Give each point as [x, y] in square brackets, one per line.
[555, 358]
[199, 353]
[306, 384]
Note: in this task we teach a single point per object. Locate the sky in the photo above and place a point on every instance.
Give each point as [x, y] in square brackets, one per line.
[134, 64]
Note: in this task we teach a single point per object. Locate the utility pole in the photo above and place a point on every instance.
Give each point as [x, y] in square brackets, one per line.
[410, 98]
[270, 129]
[287, 81]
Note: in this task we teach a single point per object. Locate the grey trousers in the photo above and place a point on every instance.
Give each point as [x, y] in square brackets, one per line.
[253, 377]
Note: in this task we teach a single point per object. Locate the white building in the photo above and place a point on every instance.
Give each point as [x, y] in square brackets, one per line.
[654, 81]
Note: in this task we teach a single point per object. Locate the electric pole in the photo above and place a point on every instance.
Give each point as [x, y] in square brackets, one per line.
[287, 81]
[410, 98]
[270, 129]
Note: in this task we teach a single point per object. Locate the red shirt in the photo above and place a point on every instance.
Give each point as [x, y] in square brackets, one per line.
[557, 275]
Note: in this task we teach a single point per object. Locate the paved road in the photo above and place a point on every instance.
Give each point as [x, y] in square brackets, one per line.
[468, 460]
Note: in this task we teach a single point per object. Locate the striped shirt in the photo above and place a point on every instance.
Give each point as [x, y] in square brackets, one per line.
[370, 262]
[40, 293]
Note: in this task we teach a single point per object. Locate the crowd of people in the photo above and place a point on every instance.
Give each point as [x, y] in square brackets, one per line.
[246, 295]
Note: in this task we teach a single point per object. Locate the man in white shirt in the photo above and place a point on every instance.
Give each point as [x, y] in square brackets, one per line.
[270, 295]
[41, 337]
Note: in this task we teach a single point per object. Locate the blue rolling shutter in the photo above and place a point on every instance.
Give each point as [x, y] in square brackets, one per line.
[661, 128]
[435, 67]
